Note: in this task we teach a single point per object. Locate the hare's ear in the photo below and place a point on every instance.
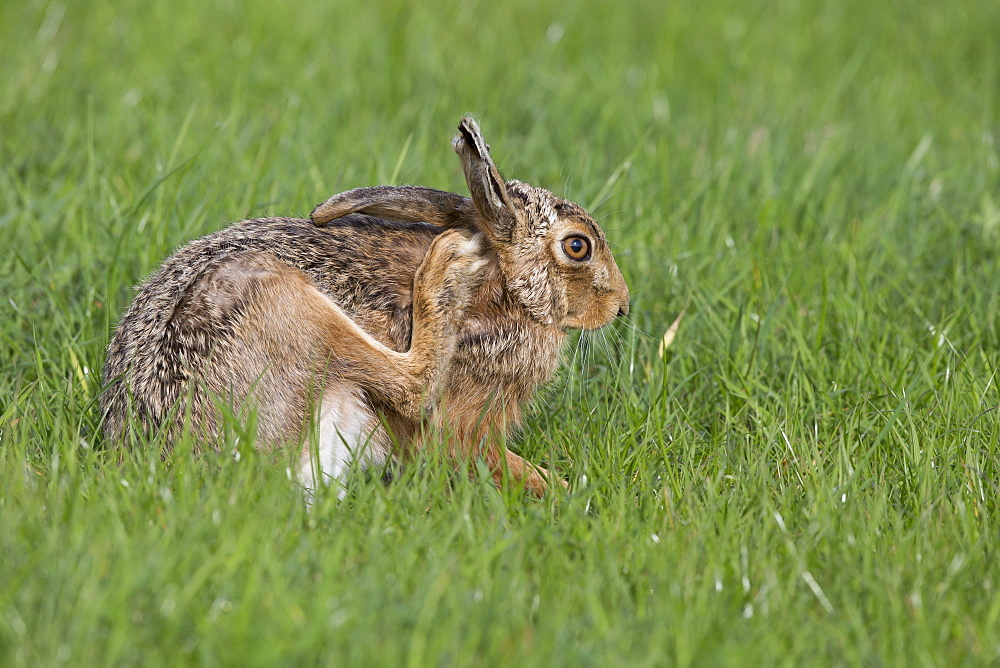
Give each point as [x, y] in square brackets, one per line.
[405, 204]
[487, 187]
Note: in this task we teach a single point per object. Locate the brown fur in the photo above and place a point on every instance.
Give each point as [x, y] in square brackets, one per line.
[371, 294]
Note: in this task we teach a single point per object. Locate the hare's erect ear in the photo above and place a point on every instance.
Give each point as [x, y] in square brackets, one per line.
[487, 187]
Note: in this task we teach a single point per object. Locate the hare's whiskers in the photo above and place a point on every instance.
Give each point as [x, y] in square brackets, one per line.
[623, 342]
[573, 370]
[610, 213]
[633, 351]
[567, 184]
[607, 197]
[610, 351]
[636, 329]
[624, 346]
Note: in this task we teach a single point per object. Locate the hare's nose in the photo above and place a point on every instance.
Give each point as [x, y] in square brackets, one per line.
[623, 307]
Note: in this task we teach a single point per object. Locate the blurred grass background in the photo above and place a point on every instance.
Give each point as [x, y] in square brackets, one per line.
[808, 473]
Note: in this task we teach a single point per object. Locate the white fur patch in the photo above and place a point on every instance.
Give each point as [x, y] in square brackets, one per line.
[345, 433]
[471, 245]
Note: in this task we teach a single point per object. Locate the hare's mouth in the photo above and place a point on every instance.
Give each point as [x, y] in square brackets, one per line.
[593, 320]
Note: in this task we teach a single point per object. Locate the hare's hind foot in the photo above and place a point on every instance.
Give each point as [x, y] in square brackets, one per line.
[449, 275]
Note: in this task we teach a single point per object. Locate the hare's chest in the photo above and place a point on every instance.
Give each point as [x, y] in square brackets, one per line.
[507, 356]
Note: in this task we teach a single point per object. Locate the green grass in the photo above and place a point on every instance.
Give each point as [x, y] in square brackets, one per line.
[809, 474]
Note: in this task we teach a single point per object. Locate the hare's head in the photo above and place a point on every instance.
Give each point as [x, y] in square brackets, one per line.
[554, 255]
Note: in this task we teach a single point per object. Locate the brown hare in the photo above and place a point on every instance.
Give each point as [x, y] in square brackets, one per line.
[394, 313]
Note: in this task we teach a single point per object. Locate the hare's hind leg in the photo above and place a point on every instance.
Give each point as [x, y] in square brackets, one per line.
[290, 342]
[289, 328]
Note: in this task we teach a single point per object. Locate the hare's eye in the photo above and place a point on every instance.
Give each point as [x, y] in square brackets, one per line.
[578, 248]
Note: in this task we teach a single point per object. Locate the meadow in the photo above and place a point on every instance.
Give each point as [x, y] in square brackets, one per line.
[807, 474]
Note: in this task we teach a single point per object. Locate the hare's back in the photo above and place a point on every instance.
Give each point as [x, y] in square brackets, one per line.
[365, 265]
